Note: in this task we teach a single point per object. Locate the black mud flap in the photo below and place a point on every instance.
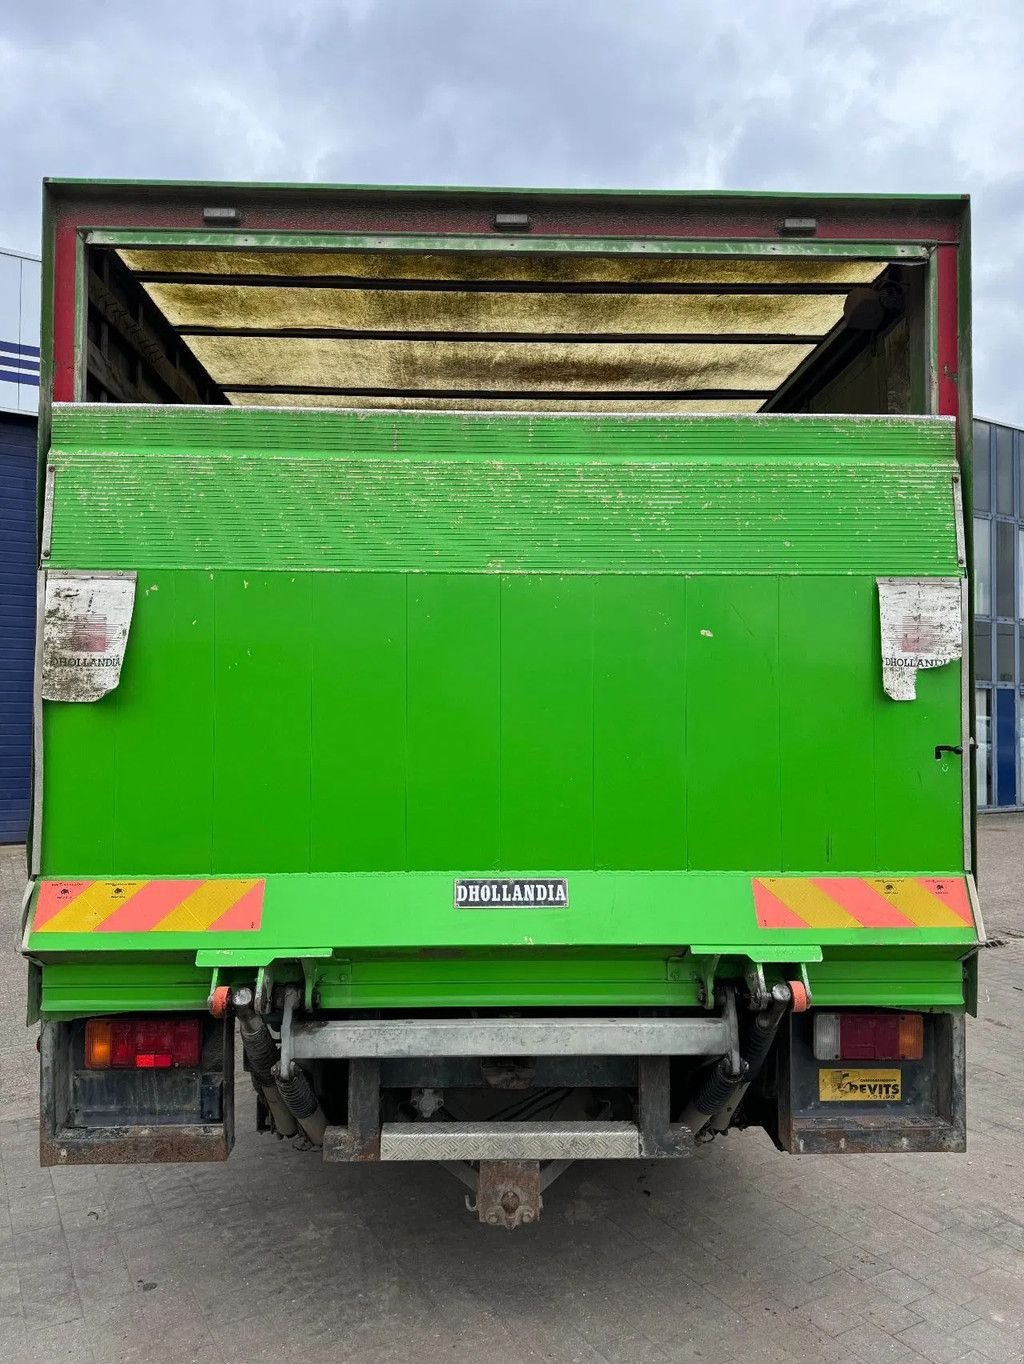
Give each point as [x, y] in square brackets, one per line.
[119, 1117]
[832, 1107]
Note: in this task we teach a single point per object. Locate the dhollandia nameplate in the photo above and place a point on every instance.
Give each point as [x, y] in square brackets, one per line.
[532, 892]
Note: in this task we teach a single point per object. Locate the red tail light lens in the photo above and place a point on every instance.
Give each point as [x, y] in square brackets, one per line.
[868, 1037]
[142, 1043]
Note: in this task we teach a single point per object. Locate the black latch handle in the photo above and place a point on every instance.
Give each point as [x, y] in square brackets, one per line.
[947, 748]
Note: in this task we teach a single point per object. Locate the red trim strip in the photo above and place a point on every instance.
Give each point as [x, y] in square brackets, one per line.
[948, 358]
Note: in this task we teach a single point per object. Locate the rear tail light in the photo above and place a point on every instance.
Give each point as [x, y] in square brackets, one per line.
[142, 1043]
[868, 1037]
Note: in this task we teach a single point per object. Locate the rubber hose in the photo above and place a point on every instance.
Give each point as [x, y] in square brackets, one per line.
[260, 1048]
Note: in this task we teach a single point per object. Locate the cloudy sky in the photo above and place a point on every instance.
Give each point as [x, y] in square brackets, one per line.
[882, 96]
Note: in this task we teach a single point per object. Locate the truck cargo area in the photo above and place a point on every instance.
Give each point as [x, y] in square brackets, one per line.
[516, 643]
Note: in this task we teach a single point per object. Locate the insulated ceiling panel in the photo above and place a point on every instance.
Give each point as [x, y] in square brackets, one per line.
[479, 330]
[497, 367]
[628, 267]
[607, 406]
[233, 307]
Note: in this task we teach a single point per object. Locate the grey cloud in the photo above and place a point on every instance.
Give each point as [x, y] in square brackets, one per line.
[798, 94]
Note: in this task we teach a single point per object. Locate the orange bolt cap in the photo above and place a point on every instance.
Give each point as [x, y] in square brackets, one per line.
[220, 1000]
[801, 997]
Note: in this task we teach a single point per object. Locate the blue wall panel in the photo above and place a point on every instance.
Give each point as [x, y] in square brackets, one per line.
[17, 619]
[1006, 747]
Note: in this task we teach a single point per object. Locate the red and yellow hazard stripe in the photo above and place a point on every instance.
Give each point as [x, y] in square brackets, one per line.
[861, 902]
[196, 906]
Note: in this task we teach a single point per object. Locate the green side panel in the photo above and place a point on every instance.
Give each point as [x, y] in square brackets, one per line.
[242, 739]
[443, 710]
[888, 980]
[913, 978]
[474, 979]
[261, 717]
[732, 718]
[479, 723]
[452, 691]
[80, 766]
[358, 767]
[918, 799]
[547, 721]
[213, 488]
[165, 769]
[89, 986]
[640, 773]
[829, 661]
[374, 911]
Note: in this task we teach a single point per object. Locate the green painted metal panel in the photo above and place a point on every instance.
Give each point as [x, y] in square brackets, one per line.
[478, 722]
[432, 491]
[261, 705]
[640, 771]
[414, 910]
[732, 718]
[453, 693]
[164, 769]
[418, 242]
[79, 748]
[86, 987]
[358, 766]
[62, 185]
[643, 654]
[918, 800]
[547, 722]
[904, 981]
[829, 662]
[295, 720]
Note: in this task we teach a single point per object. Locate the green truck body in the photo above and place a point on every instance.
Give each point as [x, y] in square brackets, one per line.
[404, 710]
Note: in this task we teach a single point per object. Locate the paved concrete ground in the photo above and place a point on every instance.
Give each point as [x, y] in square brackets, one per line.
[739, 1254]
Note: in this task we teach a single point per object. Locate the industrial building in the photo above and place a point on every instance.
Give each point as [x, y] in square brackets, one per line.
[19, 401]
[999, 613]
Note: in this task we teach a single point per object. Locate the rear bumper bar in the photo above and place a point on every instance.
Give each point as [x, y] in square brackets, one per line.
[381, 1039]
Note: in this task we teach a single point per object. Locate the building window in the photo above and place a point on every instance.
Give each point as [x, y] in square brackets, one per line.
[1004, 471]
[982, 468]
[1006, 661]
[983, 752]
[982, 566]
[983, 651]
[1005, 595]
[998, 594]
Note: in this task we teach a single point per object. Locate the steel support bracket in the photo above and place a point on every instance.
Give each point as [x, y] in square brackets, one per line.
[508, 1193]
[659, 1135]
[757, 988]
[215, 981]
[360, 1138]
[805, 979]
[707, 966]
[312, 968]
[264, 989]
